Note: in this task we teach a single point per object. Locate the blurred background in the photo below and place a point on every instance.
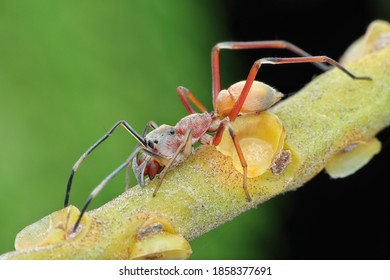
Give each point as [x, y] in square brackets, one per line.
[70, 69]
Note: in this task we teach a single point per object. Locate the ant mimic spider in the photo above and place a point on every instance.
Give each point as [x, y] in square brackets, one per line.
[167, 146]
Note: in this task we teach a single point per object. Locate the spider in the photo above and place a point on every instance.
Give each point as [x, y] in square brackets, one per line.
[167, 146]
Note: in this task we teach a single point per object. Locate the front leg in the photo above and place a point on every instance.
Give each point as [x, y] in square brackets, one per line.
[182, 153]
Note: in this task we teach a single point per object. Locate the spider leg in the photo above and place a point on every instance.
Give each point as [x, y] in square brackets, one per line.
[184, 149]
[287, 60]
[273, 44]
[97, 189]
[103, 183]
[217, 139]
[139, 170]
[186, 96]
[122, 123]
[149, 125]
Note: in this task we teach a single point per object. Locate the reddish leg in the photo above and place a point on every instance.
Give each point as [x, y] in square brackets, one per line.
[186, 96]
[215, 66]
[276, 60]
[217, 139]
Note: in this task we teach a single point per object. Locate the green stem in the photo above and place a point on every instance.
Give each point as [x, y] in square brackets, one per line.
[327, 115]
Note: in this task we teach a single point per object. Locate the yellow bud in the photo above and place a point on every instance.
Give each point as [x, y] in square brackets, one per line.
[51, 229]
[352, 158]
[261, 138]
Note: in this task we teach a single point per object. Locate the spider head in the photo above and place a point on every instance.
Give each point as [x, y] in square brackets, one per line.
[164, 140]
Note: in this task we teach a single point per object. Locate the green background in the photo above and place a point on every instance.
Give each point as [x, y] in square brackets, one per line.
[70, 69]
